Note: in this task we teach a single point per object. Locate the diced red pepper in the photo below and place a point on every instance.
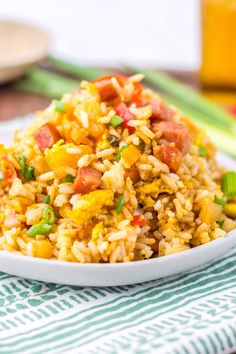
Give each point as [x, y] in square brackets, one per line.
[46, 136]
[138, 220]
[123, 111]
[8, 171]
[87, 180]
[105, 87]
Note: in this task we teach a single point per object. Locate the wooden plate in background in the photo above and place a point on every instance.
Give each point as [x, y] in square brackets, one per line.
[21, 47]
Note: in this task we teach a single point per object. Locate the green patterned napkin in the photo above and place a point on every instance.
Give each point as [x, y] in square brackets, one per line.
[190, 313]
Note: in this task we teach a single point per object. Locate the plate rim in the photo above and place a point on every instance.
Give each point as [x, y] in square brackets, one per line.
[160, 259]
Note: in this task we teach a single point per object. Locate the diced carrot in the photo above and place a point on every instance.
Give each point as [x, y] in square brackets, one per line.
[8, 171]
[42, 248]
[131, 154]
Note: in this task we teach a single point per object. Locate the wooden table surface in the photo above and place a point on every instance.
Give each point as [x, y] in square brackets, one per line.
[14, 103]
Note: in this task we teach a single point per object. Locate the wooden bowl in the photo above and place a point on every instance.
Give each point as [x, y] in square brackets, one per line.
[21, 47]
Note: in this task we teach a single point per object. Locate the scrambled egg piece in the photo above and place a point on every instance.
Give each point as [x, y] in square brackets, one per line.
[97, 231]
[153, 189]
[90, 205]
[58, 158]
[209, 211]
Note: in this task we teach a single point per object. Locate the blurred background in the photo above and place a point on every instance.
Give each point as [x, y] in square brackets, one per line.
[185, 48]
[159, 33]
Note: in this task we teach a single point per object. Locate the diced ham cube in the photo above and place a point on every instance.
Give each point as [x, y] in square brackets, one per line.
[160, 111]
[87, 180]
[46, 136]
[106, 90]
[175, 133]
[133, 174]
[171, 156]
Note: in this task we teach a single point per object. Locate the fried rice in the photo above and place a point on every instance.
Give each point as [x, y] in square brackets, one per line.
[110, 173]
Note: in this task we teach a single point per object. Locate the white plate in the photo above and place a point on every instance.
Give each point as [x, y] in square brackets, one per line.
[111, 274]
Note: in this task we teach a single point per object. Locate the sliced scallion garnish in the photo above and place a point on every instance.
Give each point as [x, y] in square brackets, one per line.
[39, 229]
[229, 184]
[118, 156]
[219, 201]
[49, 216]
[59, 106]
[220, 223]
[120, 205]
[116, 120]
[27, 172]
[46, 199]
[68, 179]
[202, 151]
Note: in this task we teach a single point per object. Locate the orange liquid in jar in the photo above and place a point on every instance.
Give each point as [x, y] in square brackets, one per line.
[218, 43]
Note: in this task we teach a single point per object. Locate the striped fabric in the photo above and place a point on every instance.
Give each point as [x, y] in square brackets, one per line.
[190, 313]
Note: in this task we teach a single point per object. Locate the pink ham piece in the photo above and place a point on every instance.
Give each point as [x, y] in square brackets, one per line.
[174, 133]
[46, 136]
[171, 156]
[160, 111]
[87, 180]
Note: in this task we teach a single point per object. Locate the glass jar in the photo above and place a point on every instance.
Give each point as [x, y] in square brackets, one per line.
[218, 68]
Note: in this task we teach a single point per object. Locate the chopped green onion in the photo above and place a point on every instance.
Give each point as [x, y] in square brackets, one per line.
[27, 172]
[219, 201]
[220, 223]
[229, 184]
[46, 199]
[59, 106]
[118, 156]
[39, 229]
[120, 205]
[202, 151]
[116, 120]
[68, 179]
[113, 140]
[49, 216]
[22, 163]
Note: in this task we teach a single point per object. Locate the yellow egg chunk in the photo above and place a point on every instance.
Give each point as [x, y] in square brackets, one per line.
[59, 158]
[89, 205]
[42, 248]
